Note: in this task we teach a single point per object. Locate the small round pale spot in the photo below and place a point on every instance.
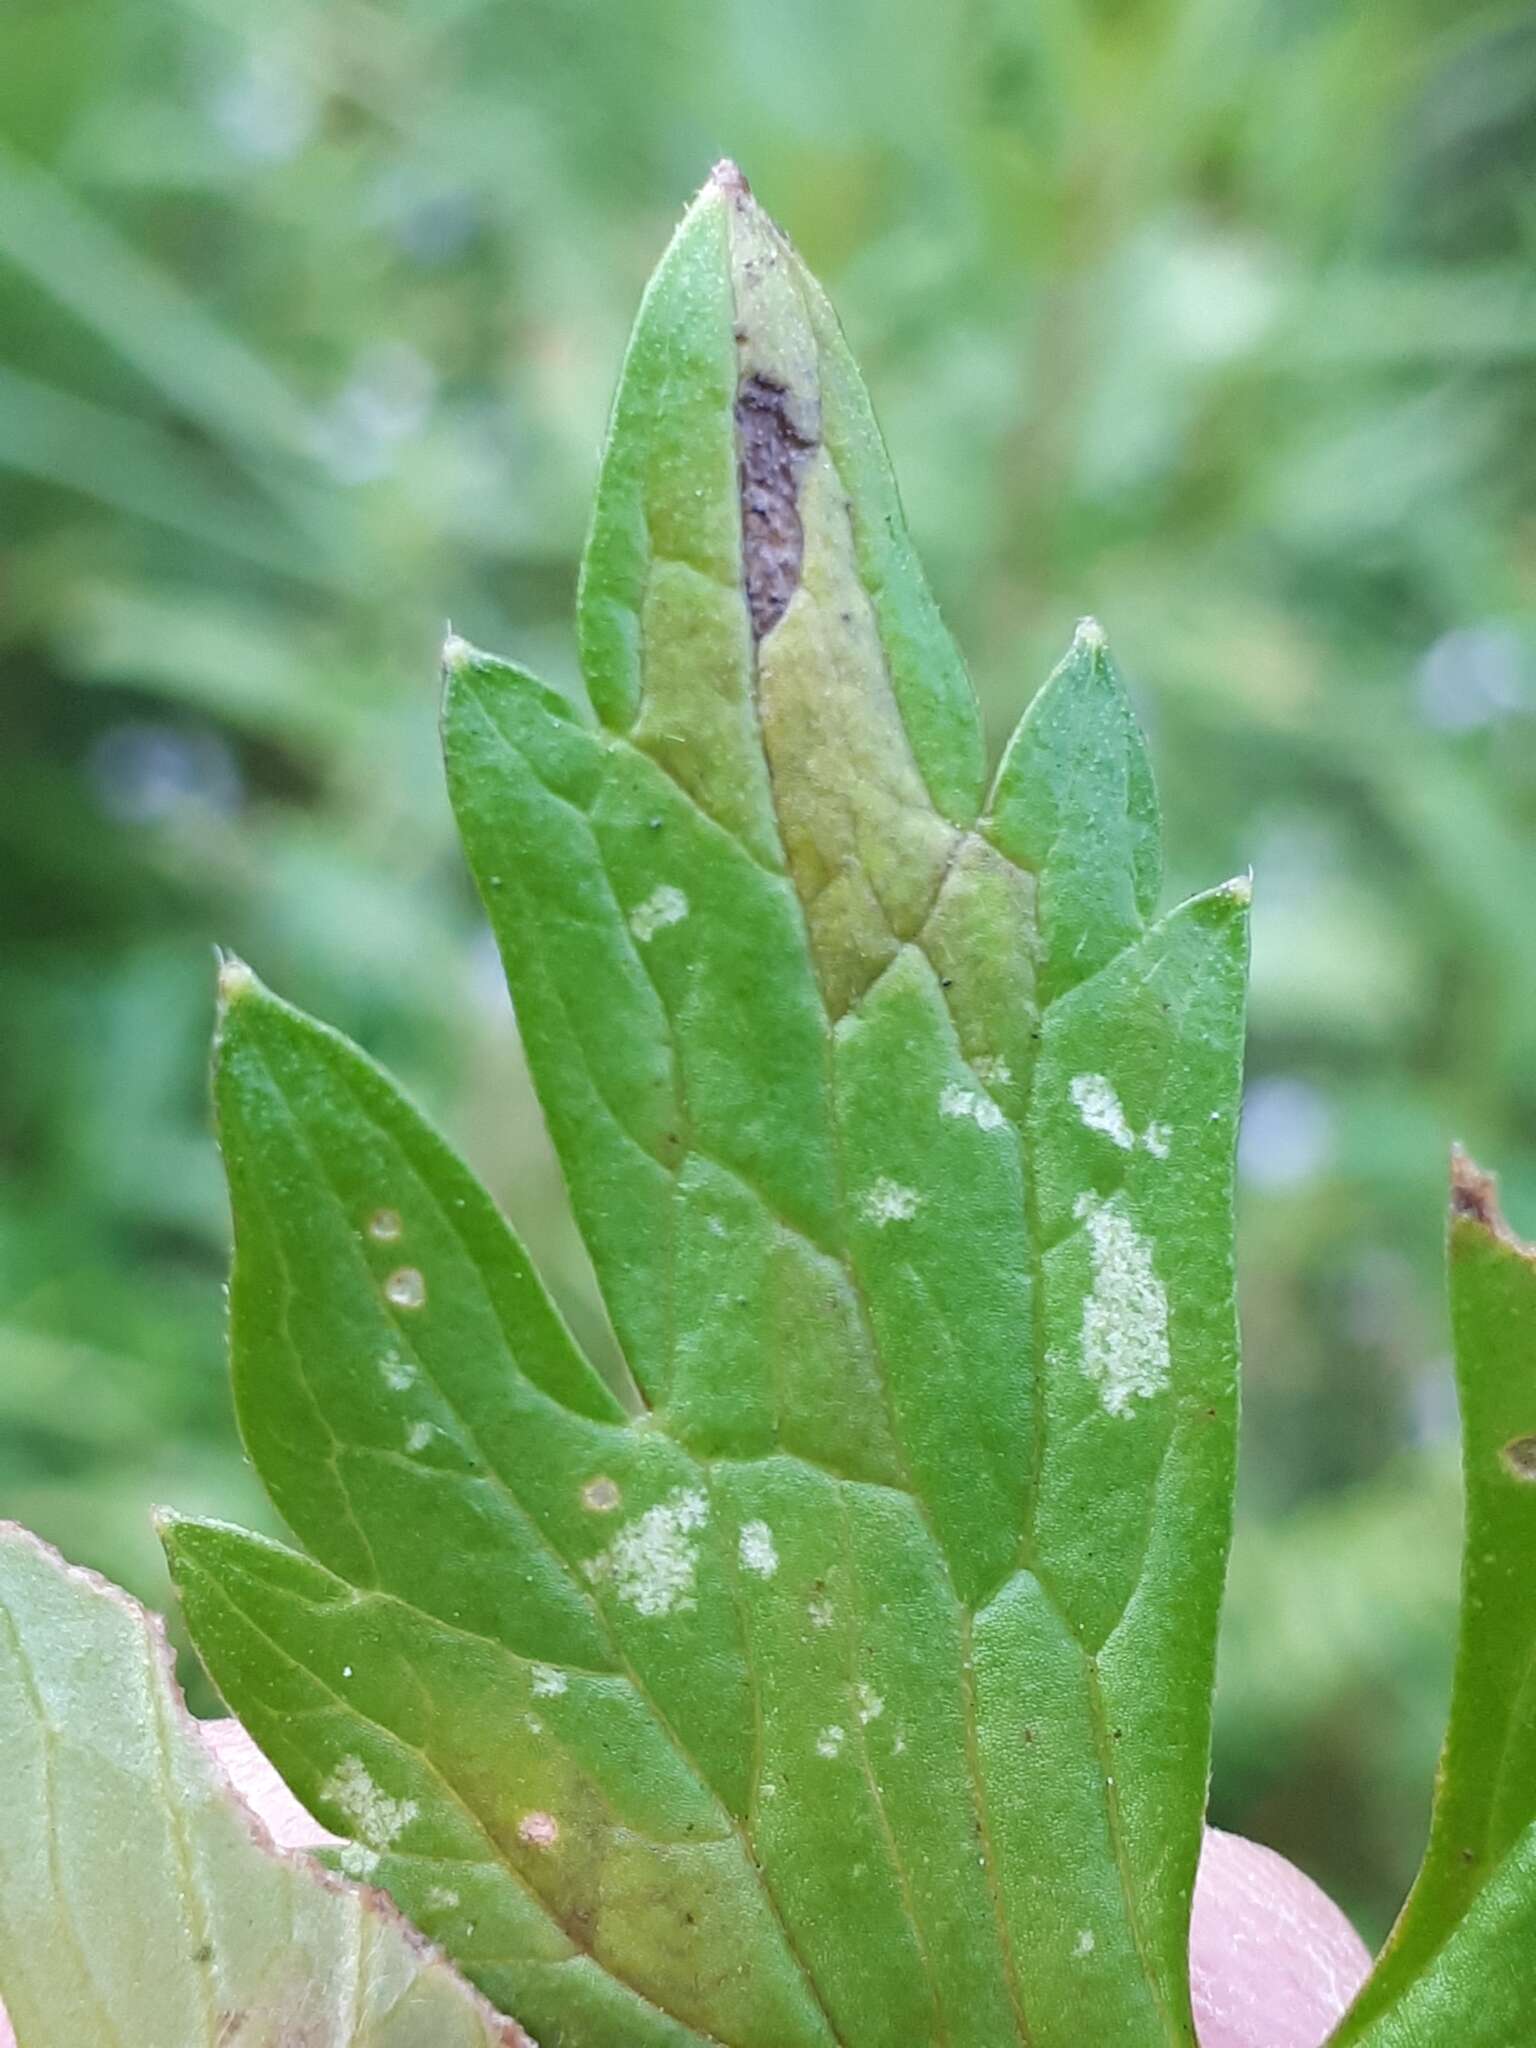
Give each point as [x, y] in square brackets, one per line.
[405, 1288]
[384, 1226]
[600, 1496]
[538, 1830]
[1519, 1456]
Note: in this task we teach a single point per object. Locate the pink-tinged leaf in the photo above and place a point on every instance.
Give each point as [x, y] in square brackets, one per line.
[143, 1902]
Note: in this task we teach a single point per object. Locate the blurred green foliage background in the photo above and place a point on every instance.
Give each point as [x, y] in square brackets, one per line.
[1213, 317]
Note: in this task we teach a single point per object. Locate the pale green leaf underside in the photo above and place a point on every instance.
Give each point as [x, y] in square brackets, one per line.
[139, 1901]
[858, 1689]
[1461, 1962]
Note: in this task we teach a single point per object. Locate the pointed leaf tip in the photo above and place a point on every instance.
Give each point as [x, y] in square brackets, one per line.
[458, 653]
[727, 177]
[1474, 1193]
[235, 980]
[1475, 1199]
[1090, 636]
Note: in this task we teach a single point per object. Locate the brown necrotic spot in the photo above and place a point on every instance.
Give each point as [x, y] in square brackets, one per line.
[1474, 1194]
[1475, 1199]
[1519, 1454]
[772, 452]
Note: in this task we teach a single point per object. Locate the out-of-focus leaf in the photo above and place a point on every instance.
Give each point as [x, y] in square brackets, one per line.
[1461, 1951]
[140, 1901]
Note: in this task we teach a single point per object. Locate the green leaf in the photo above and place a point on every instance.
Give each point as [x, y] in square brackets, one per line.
[140, 1901]
[1480, 1989]
[1461, 1951]
[856, 1687]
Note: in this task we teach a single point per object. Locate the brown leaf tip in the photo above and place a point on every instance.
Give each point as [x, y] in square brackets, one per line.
[1474, 1194]
[1475, 1199]
[728, 178]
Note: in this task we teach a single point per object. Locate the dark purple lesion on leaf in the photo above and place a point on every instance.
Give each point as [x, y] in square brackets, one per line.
[1475, 1199]
[1474, 1194]
[773, 450]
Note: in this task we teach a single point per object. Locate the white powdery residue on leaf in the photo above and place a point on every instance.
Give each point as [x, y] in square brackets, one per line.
[960, 1102]
[662, 907]
[1085, 1943]
[356, 1861]
[756, 1549]
[547, 1683]
[887, 1201]
[821, 1613]
[992, 1070]
[418, 1436]
[397, 1374]
[441, 1898]
[1125, 1313]
[829, 1742]
[372, 1814]
[651, 1563]
[1098, 1105]
[871, 1706]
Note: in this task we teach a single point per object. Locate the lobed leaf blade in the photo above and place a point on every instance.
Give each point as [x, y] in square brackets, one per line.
[536, 1820]
[902, 1142]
